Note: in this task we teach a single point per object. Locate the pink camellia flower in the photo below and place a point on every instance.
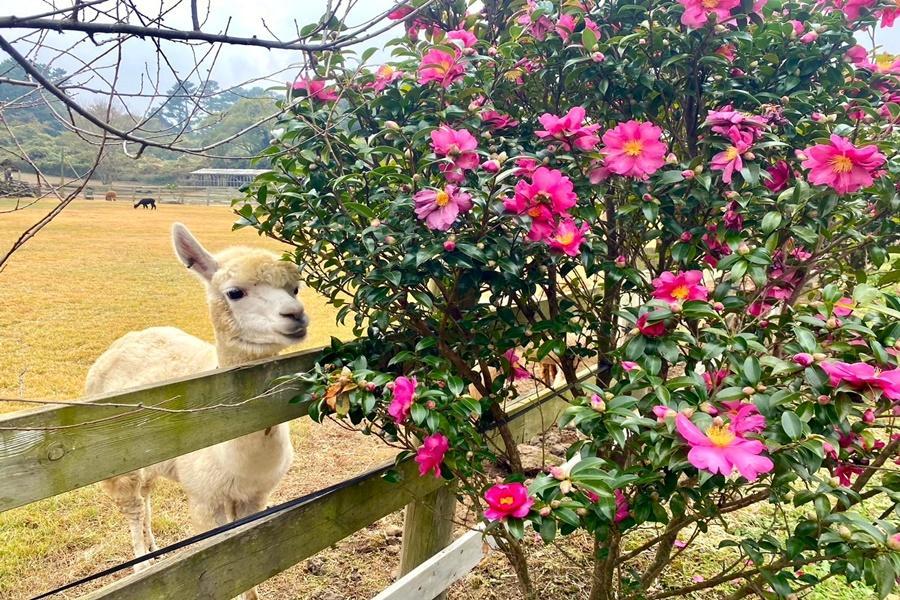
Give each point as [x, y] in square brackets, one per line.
[651, 330]
[730, 160]
[679, 544]
[862, 376]
[439, 208]
[859, 56]
[457, 144]
[507, 500]
[841, 165]
[440, 67]
[496, 120]
[315, 89]
[568, 237]
[798, 26]
[869, 416]
[779, 175]
[844, 307]
[714, 379]
[399, 13]
[675, 289]
[697, 12]
[663, 412]
[809, 37]
[549, 194]
[384, 76]
[724, 120]
[633, 149]
[845, 473]
[727, 51]
[569, 130]
[744, 416]
[431, 453]
[403, 393]
[721, 450]
[803, 359]
[518, 371]
[565, 25]
[888, 17]
[525, 166]
[629, 366]
[466, 38]
[622, 508]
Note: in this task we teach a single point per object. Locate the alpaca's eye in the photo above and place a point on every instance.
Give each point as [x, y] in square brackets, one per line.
[235, 293]
[295, 291]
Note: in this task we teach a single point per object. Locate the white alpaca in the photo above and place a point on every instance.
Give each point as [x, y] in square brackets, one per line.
[255, 314]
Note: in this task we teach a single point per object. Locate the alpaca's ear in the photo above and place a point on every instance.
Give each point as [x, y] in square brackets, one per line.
[192, 254]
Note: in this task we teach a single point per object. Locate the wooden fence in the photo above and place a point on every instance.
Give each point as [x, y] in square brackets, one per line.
[57, 449]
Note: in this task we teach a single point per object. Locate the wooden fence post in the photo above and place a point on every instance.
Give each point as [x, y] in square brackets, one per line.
[427, 528]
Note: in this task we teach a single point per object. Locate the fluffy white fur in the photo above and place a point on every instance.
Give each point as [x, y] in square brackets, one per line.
[232, 479]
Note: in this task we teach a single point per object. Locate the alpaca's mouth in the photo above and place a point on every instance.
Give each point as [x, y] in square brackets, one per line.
[295, 335]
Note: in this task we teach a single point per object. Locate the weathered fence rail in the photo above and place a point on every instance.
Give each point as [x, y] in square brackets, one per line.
[54, 450]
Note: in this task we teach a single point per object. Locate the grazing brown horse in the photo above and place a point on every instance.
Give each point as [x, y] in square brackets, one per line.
[111, 196]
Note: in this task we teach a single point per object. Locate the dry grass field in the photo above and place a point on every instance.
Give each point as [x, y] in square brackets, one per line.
[103, 269]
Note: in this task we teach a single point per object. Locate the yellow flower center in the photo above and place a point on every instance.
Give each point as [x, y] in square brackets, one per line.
[565, 238]
[732, 153]
[386, 71]
[709, 4]
[534, 212]
[442, 198]
[720, 436]
[841, 164]
[884, 61]
[681, 292]
[513, 74]
[633, 147]
[506, 500]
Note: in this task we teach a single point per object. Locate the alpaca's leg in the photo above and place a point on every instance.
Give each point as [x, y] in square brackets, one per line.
[241, 510]
[149, 538]
[126, 493]
[206, 516]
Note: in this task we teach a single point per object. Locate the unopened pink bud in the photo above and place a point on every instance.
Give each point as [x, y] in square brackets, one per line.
[803, 359]
[687, 236]
[621, 261]
[449, 245]
[688, 174]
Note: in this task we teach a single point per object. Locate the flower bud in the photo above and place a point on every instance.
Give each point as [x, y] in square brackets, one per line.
[686, 236]
[869, 416]
[581, 512]
[480, 245]
[718, 307]
[708, 408]
[803, 359]
[390, 240]
[749, 156]
[392, 125]
[598, 404]
[688, 412]
[671, 159]
[621, 261]
[491, 166]
[598, 57]
[893, 542]
[748, 391]
[687, 174]
[831, 323]
[676, 307]
[545, 511]
[430, 405]
[565, 487]
[647, 198]
[449, 245]
[371, 387]
[761, 388]
[824, 400]
[844, 532]
[554, 504]
[417, 178]
[375, 223]
[743, 249]
[718, 422]
[698, 169]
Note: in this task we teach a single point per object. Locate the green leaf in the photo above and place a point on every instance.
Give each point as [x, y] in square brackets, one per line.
[752, 372]
[791, 424]
[516, 528]
[548, 526]
[589, 39]
[360, 209]
[886, 576]
[771, 222]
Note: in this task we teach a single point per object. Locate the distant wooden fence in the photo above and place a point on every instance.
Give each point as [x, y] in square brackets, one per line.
[57, 449]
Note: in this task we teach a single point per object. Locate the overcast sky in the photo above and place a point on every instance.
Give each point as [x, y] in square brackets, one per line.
[236, 65]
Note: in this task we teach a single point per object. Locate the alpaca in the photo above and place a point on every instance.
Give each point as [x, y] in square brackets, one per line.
[146, 203]
[255, 313]
[111, 196]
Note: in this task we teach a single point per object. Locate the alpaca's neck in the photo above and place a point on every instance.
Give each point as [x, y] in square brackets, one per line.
[232, 355]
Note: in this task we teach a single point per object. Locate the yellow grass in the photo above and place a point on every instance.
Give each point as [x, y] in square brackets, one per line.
[100, 270]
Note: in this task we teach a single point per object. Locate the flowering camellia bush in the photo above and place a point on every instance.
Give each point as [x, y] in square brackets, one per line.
[694, 200]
